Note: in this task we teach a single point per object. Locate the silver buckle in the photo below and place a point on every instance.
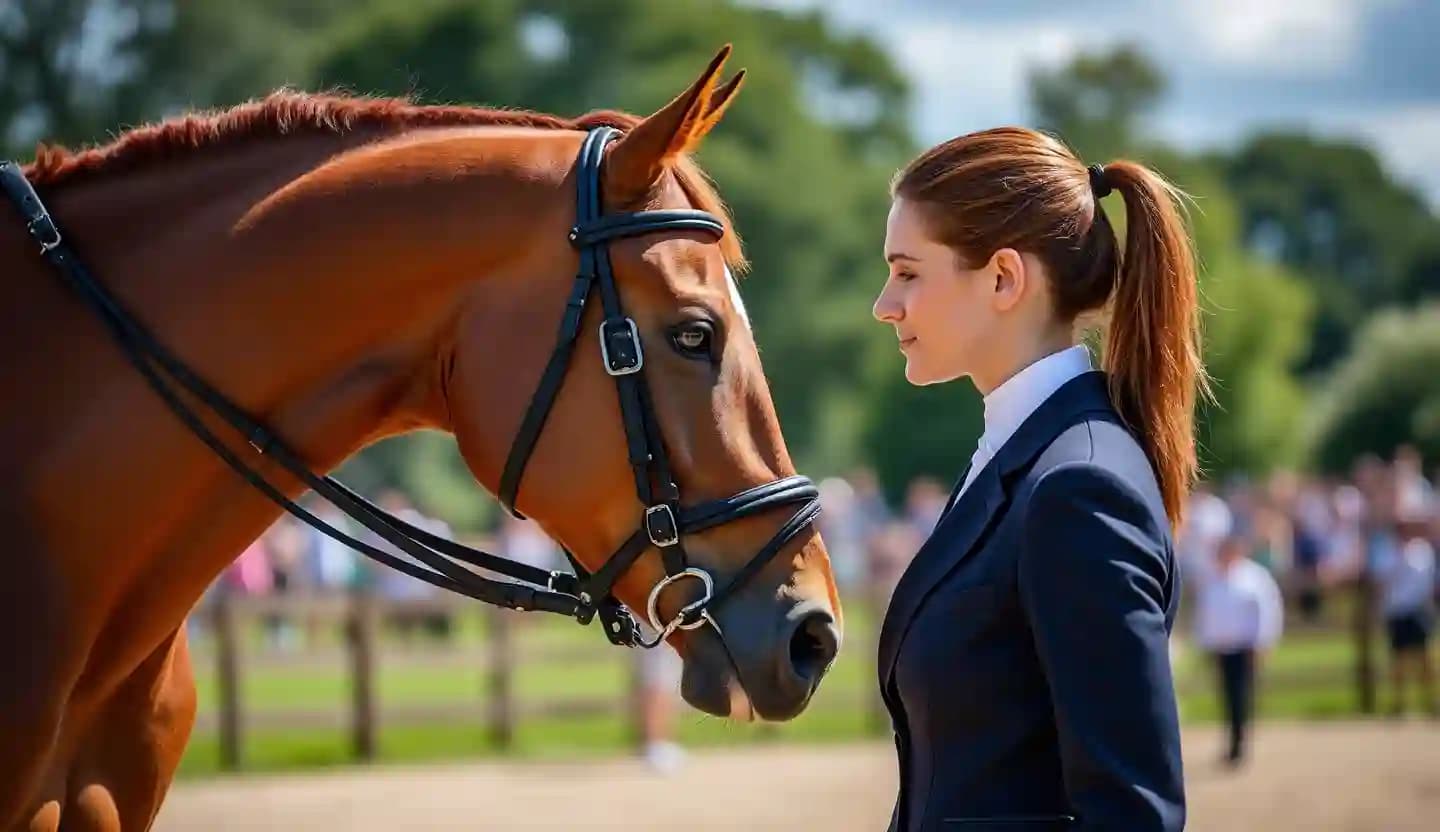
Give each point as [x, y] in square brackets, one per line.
[634, 339]
[652, 605]
[40, 226]
[674, 535]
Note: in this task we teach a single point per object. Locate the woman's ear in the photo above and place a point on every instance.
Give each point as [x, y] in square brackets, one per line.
[1009, 276]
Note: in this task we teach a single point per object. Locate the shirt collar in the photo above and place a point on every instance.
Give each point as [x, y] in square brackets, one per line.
[1009, 405]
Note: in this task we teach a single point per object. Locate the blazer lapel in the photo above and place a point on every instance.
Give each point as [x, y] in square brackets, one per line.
[968, 516]
[948, 544]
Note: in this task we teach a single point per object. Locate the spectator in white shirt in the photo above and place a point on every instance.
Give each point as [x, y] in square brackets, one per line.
[1238, 615]
[1407, 582]
[1208, 521]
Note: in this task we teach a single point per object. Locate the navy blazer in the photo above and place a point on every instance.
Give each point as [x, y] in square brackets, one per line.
[1023, 657]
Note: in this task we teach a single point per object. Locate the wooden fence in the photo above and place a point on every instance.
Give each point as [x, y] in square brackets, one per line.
[363, 652]
[496, 657]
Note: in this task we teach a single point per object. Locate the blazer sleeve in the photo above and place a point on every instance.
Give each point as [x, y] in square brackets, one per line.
[1093, 574]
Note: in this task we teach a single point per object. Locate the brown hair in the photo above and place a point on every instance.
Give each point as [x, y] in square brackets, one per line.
[1017, 188]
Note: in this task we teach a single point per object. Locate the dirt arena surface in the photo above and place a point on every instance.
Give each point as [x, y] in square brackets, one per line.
[1356, 777]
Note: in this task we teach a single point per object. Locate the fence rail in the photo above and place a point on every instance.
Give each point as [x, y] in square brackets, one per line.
[362, 653]
[508, 645]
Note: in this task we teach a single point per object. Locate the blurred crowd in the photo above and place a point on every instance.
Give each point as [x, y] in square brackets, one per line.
[1254, 554]
[293, 558]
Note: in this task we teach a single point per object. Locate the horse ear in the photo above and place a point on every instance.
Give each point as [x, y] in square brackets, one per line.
[720, 101]
[639, 157]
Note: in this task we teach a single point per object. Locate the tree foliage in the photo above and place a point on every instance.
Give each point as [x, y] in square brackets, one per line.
[1384, 394]
[803, 158]
[1327, 209]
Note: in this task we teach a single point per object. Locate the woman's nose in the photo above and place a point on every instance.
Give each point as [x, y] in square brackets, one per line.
[886, 309]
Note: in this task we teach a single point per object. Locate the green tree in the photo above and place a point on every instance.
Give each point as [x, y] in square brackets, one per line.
[77, 71]
[803, 158]
[1329, 210]
[1385, 393]
[1256, 314]
[1098, 100]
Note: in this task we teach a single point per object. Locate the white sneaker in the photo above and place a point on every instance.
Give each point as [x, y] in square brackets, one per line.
[664, 757]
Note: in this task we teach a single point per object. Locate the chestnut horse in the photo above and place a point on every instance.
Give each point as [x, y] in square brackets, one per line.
[348, 269]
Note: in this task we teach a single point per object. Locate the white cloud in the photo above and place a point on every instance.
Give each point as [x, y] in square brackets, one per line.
[1236, 66]
[1278, 36]
[970, 75]
[1404, 136]
[1407, 138]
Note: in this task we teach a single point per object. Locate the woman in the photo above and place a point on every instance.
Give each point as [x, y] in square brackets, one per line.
[1023, 657]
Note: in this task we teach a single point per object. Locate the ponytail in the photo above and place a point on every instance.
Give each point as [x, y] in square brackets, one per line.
[1152, 343]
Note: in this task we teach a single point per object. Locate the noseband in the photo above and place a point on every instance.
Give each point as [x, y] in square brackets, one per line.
[581, 595]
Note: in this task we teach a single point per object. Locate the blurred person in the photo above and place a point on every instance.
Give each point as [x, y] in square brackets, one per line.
[1346, 545]
[1208, 521]
[870, 506]
[1241, 497]
[1310, 521]
[285, 544]
[925, 501]
[1045, 596]
[1414, 495]
[1274, 537]
[249, 574]
[842, 527]
[333, 565]
[891, 549]
[872, 518]
[394, 585]
[1238, 617]
[1406, 575]
[658, 674]
[522, 539]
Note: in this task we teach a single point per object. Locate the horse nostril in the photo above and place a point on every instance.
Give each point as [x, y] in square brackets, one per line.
[813, 646]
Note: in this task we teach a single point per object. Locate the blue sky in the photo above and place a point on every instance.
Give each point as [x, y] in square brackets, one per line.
[1367, 69]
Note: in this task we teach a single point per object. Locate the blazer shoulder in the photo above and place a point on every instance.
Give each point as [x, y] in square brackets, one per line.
[1101, 453]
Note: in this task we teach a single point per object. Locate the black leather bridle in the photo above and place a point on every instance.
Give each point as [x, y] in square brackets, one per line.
[581, 596]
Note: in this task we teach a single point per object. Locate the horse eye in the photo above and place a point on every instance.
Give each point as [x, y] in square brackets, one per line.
[693, 339]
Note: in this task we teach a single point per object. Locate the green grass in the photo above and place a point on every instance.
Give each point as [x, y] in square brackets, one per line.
[1308, 676]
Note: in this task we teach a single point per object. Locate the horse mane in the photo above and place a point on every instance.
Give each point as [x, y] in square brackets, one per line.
[287, 112]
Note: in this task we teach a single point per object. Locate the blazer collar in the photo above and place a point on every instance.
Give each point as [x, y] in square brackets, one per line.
[968, 517]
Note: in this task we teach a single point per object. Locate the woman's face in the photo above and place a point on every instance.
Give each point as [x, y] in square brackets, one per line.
[944, 314]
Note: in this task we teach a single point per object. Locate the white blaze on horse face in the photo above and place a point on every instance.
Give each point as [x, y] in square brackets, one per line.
[735, 299]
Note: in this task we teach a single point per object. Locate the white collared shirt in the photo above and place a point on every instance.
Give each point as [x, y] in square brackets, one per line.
[1009, 405]
[1238, 609]
[1407, 575]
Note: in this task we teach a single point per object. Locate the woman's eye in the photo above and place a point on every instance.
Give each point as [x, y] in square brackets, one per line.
[905, 277]
[694, 340]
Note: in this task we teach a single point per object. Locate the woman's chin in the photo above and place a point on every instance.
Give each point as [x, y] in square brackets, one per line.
[918, 375]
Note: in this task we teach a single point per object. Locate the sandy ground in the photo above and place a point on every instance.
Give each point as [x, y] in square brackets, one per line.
[1358, 776]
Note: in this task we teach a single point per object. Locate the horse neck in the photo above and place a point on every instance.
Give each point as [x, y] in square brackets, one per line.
[320, 313]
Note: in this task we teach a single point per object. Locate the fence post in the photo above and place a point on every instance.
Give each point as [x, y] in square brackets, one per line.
[362, 630]
[227, 654]
[877, 718]
[501, 682]
[1363, 624]
[633, 703]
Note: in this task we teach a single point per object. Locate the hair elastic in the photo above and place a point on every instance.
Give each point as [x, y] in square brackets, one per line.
[1099, 182]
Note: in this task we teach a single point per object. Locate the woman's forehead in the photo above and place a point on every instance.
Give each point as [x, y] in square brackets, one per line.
[904, 228]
